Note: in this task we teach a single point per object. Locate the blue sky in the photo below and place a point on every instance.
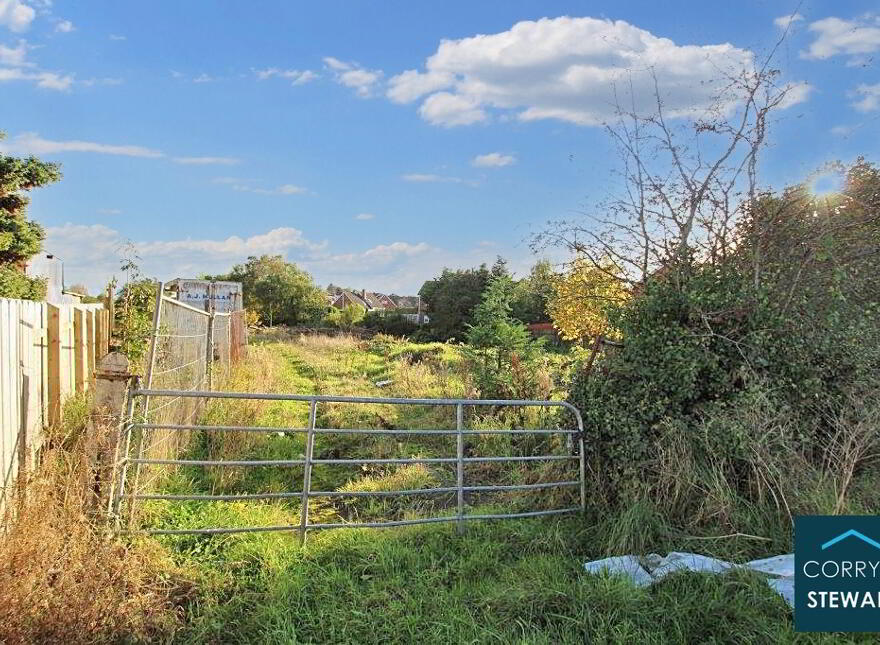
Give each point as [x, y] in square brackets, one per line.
[375, 143]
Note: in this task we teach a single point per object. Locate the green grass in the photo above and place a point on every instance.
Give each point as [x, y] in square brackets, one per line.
[519, 581]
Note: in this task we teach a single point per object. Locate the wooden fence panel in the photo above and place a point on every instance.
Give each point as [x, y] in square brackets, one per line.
[47, 352]
[9, 412]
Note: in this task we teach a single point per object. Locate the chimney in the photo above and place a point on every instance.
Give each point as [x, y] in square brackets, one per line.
[364, 294]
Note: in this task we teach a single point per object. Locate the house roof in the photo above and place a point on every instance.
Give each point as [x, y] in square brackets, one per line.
[405, 302]
[373, 300]
[352, 298]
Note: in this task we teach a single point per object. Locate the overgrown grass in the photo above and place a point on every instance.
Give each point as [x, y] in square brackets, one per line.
[511, 581]
[63, 579]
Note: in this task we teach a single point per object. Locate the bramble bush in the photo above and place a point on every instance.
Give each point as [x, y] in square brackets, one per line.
[779, 339]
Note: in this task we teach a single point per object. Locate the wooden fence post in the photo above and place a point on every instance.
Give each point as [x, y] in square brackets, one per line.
[105, 422]
[99, 335]
[80, 357]
[91, 350]
[54, 365]
[111, 313]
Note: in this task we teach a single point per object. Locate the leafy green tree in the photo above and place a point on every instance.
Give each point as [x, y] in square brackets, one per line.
[532, 294]
[345, 318]
[502, 353]
[21, 238]
[452, 296]
[279, 291]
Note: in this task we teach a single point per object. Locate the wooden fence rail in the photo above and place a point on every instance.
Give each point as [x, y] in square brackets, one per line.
[47, 353]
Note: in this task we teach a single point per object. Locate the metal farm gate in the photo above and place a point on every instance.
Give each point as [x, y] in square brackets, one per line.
[574, 444]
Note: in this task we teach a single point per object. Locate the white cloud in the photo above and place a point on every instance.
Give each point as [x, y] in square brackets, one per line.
[45, 80]
[411, 84]
[91, 252]
[295, 76]
[14, 56]
[109, 211]
[244, 186]
[207, 161]
[16, 15]
[425, 178]
[842, 130]
[377, 256]
[870, 98]
[91, 82]
[363, 217]
[91, 255]
[353, 75]
[564, 68]
[32, 143]
[446, 109]
[117, 37]
[795, 93]
[783, 22]
[64, 26]
[204, 78]
[848, 37]
[493, 160]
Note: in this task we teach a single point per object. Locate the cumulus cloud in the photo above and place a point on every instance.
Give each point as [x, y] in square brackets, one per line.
[207, 161]
[869, 98]
[64, 26]
[295, 76]
[493, 160]
[32, 143]
[783, 22]
[563, 68]
[91, 255]
[16, 15]
[380, 255]
[363, 217]
[795, 93]
[353, 75]
[836, 36]
[45, 80]
[14, 56]
[117, 37]
[91, 252]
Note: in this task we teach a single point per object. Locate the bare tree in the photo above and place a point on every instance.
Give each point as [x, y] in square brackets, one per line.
[686, 180]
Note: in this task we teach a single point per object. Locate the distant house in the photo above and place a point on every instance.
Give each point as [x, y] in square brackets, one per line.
[347, 298]
[408, 306]
[411, 303]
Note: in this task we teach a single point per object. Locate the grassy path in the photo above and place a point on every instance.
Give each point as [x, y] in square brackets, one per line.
[518, 581]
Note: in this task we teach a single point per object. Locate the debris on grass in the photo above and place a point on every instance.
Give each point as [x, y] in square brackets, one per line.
[645, 571]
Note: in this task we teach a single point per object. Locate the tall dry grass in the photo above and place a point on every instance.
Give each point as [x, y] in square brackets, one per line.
[63, 578]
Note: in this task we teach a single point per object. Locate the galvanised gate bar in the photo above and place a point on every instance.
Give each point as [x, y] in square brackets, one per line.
[575, 442]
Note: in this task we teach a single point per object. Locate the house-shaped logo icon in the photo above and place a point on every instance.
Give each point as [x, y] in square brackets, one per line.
[851, 533]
